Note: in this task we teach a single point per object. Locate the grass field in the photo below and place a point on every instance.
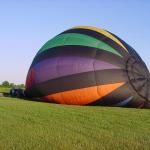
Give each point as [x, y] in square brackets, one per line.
[28, 125]
[4, 89]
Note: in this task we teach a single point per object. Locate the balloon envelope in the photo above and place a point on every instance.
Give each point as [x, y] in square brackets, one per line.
[88, 66]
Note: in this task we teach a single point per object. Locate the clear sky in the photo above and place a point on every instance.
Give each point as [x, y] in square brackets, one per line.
[27, 24]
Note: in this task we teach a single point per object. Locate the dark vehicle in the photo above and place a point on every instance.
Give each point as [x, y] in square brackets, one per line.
[17, 92]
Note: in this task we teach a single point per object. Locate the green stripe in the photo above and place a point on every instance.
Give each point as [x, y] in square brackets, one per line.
[77, 39]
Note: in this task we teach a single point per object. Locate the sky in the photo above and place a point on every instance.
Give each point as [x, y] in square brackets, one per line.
[27, 24]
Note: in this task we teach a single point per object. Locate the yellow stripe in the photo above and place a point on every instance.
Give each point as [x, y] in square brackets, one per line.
[104, 33]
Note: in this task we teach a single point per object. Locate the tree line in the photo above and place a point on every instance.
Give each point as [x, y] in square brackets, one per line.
[12, 85]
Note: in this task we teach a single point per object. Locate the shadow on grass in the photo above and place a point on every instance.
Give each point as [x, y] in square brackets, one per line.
[24, 98]
[145, 106]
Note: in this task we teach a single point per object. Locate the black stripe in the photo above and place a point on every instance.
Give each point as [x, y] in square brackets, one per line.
[100, 37]
[135, 102]
[77, 81]
[81, 51]
[130, 50]
[128, 47]
[114, 97]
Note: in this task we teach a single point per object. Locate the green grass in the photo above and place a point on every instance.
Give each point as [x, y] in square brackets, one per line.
[27, 125]
[4, 89]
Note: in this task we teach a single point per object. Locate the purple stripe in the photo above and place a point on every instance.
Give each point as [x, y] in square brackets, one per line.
[61, 66]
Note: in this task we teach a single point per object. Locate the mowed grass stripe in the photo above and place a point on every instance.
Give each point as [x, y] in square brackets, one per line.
[36, 125]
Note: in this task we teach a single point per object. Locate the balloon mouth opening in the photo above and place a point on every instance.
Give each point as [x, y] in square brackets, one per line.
[139, 77]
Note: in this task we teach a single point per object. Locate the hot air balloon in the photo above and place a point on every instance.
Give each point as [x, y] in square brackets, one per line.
[88, 66]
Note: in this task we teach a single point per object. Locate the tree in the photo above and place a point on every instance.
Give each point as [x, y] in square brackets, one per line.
[5, 83]
[22, 86]
[12, 85]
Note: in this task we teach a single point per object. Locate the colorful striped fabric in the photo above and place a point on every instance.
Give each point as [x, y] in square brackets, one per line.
[88, 66]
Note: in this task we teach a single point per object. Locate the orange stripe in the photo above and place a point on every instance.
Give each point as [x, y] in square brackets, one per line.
[83, 96]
